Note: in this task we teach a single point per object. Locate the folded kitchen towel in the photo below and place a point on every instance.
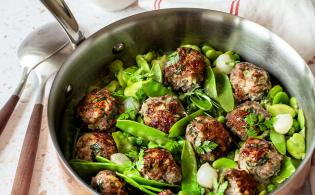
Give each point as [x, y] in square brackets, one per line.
[293, 20]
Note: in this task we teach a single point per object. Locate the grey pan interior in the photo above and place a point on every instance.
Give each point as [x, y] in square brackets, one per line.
[166, 30]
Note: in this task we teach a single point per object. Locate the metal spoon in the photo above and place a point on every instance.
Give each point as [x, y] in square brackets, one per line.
[37, 47]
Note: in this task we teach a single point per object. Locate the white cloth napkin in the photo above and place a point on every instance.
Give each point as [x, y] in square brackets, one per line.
[293, 20]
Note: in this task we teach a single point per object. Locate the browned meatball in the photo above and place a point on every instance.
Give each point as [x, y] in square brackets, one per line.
[98, 110]
[240, 183]
[235, 119]
[260, 158]
[186, 70]
[160, 165]
[108, 183]
[95, 144]
[249, 81]
[208, 137]
[162, 112]
[166, 192]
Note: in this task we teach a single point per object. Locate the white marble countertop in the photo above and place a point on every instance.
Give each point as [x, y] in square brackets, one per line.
[17, 19]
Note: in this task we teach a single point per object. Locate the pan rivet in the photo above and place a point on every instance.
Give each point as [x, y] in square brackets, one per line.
[118, 47]
[68, 90]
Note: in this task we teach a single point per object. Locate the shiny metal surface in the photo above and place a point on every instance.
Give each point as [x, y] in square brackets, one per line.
[62, 13]
[166, 30]
[37, 47]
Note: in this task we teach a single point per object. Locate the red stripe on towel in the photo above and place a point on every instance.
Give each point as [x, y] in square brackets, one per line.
[155, 4]
[232, 7]
[237, 6]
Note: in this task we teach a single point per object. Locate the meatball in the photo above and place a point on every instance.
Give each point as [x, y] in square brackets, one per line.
[162, 112]
[98, 110]
[249, 81]
[166, 192]
[160, 165]
[95, 144]
[260, 158]
[208, 137]
[240, 182]
[235, 119]
[108, 183]
[185, 70]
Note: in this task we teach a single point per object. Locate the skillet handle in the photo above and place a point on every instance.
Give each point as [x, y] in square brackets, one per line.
[60, 10]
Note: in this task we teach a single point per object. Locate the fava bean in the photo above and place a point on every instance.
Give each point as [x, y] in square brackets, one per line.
[264, 192]
[195, 47]
[271, 187]
[276, 109]
[221, 119]
[224, 163]
[296, 146]
[293, 103]
[210, 53]
[112, 86]
[301, 118]
[142, 63]
[295, 127]
[281, 98]
[116, 66]
[278, 141]
[287, 169]
[273, 91]
[179, 128]
[149, 56]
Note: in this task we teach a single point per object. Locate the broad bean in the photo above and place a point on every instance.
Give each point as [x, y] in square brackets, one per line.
[281, 98]
[287, 169]
[273, 91]
[276, 109]
[296, 146]
[278, 141]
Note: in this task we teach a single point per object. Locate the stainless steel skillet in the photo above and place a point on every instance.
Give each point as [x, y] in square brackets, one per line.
[166, 30]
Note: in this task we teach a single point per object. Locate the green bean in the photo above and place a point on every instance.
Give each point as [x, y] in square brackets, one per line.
[273, 91]
[278, 141]
[189, 170]
[293, 103]
[210, 84]
[142, 63]
[135, 184]
[157, 71]
[122, 143]
[287, 169]
[281, 98]
[179, 128]
[225, 93]
[195, 47]
[301, 118]
[224, 163]
[112, 86]
[296, 146]
[276, 109]
[143, 131]
[153, 88]
[115, 67]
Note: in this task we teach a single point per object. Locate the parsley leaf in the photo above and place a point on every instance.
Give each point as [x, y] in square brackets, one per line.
[205, 147]
[256, 123]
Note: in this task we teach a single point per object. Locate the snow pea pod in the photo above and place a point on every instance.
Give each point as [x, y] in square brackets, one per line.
[179, 128]
[296, 146]
[225, 92]
[278, 141]
[122, 143]
[210, 84]
[287, 169]
[202, 101]
[189, 170]
[153, 88]
[140, 130]
[224, 163]
[144, 181]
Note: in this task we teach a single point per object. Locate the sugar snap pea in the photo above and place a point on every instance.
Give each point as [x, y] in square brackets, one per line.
[225, 93]
[122, 143]
[189, 170]
[210, 84]
[278, 141]
[143, 131]
[296, 146]
[179, 128]
[224, 163]
[153, 88]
